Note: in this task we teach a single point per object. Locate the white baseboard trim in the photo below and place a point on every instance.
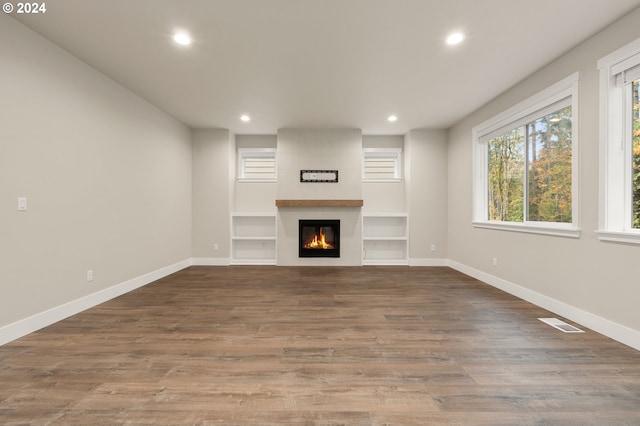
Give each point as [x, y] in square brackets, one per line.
[35, 322]
[210, 261]
[428, 262]
[615, 331]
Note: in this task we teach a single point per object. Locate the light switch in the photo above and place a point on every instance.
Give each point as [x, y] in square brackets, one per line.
[22, 204]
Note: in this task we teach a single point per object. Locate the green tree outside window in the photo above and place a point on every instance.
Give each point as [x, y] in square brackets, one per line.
[542, 147]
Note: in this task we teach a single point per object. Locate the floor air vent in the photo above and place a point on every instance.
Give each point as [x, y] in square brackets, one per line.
[561, 325]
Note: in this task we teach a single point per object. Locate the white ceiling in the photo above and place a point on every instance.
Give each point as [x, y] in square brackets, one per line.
[321, 63]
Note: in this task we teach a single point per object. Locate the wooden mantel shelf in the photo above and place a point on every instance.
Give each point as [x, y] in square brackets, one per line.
[319, 203]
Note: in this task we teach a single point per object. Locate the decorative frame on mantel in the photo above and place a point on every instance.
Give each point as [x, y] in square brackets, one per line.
[323, 176]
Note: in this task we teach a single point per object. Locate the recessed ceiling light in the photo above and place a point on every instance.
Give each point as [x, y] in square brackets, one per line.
[455, 38]
[182, 38]
[245, 118]
[392, 118]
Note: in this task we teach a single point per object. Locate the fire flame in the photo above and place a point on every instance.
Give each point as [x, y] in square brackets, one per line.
[318, 242]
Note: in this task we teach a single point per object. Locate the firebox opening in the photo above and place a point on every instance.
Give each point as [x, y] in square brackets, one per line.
[319, 238]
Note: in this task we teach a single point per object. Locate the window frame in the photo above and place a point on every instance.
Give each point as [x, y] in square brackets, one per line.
[254, 153]
[615, 220]
[388, 153]
[534, 107]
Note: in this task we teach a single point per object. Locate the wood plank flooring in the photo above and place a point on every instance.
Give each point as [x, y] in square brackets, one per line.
[283, 345]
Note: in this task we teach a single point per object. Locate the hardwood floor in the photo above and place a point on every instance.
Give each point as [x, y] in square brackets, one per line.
[281, 345]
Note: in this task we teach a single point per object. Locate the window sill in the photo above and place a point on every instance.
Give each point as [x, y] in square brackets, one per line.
[242, 180]
[530, 229]
[619, 237]
[395, 180]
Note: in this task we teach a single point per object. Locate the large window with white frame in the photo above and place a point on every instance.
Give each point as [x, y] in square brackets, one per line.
[619, 218]
[257, 164]
[382, 164]
[525, 164]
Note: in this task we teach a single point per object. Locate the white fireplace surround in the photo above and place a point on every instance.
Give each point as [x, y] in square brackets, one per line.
[319, 149]
[350, 235]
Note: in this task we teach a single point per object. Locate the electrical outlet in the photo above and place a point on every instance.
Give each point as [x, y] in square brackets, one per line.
[433, 247]
[22, 204]
[89, 275]
[495, 261]
[215, 247]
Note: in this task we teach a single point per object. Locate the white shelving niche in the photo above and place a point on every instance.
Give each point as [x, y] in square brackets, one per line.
[253, 239]
[385, 239]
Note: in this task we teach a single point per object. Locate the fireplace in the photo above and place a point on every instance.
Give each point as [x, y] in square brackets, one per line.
[319, 238]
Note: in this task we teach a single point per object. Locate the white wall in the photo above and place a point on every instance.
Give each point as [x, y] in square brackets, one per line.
[213, 159]
[106, 174]
[319, 149]
[584, 274]
[426, 186]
